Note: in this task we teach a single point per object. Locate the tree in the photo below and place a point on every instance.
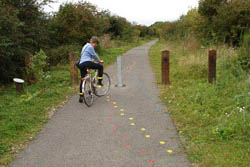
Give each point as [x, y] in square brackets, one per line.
[223, 20]
[21, 32]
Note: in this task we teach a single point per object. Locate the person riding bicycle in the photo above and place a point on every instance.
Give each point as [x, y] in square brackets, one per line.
[88, 53]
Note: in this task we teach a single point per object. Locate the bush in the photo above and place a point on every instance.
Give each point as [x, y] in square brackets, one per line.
[37, 65]
[244, 53]
[223, 21]
[21, 32]
[61, 54]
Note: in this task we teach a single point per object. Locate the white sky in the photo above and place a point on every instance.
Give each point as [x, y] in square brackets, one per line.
[144, 12]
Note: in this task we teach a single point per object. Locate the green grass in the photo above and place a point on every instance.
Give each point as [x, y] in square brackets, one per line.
[22, 116]
[213, 120]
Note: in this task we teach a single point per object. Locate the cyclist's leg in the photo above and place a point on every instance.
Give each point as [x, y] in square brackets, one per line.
[99, 67]
[100, 74]
[83, 70]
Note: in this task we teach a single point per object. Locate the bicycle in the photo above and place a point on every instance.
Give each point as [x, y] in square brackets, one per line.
[90, 87]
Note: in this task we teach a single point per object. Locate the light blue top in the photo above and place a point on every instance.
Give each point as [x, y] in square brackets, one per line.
[88, 53]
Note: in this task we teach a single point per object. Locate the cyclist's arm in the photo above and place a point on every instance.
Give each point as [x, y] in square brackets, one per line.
[93, 54]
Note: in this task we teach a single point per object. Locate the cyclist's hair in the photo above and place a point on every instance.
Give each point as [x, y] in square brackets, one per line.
[94, 39]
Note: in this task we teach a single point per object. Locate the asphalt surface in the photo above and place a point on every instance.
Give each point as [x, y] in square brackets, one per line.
[127, 128]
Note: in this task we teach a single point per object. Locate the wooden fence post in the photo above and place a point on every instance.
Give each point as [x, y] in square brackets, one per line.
[211, 66]
[73, 69]
[165, 67]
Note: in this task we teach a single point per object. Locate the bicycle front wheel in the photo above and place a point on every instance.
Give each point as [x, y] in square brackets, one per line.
[88, 93]
[101, 91]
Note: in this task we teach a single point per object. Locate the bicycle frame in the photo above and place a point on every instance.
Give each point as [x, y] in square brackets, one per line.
[90, 78]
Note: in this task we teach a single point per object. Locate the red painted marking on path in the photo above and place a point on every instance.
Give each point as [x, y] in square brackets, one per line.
[123, 137]
[128, 145]
[143, 151]
[113, 130]
[151, 161]
[109, 118]
[116, 124]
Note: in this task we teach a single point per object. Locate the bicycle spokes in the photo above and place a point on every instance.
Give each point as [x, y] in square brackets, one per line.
[88, 95]
[102, 90]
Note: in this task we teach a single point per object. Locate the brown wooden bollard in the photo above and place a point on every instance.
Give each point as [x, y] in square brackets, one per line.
[165, 67]
[73, 69]
[211, 66]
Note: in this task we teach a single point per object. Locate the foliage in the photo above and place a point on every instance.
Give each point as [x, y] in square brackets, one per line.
[244, 53]
[21, 33]
[37, 65]
[120, 28]
[76, 23]
[224, 21]
[214, 21]
[25, 29]
[60, 54]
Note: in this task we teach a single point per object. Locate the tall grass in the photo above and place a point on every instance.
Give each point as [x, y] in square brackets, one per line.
[213, 119]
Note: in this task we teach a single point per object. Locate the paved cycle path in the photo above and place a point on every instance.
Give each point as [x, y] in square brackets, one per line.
[127, 128]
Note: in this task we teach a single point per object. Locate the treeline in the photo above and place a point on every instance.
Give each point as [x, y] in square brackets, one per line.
[26, 29]
[213, 22]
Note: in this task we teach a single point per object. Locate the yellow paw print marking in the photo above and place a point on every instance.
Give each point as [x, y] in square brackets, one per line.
[147, 136]
[114, 102]
[122, 114]
[169, 151]
[143, 129]
[162, 142]
[115, 106]
[121, 110]
[132, 124]
[131, 118]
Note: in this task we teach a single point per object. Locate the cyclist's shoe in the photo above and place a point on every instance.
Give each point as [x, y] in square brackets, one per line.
[81, 99]
[99, 84]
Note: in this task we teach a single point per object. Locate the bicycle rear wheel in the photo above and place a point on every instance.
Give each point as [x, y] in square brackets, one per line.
[101, 91]
[88, 96]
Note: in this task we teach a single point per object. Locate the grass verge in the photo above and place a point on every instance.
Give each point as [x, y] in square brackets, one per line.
[22, 116]
[212, 119]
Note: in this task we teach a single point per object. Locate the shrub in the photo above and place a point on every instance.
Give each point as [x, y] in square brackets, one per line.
[37, 65]
[61, 54]
[244, 53]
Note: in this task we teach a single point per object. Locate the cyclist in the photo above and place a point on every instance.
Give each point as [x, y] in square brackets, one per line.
[87, 55]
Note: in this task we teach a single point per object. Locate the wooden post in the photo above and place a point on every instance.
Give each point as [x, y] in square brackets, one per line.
[29, 77]
[73, 69]
[165, 67]
[211, 66]
[27, 60]
[19, 85]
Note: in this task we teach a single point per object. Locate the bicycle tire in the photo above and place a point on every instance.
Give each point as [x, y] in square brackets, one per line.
[88, 96]
[106, 85]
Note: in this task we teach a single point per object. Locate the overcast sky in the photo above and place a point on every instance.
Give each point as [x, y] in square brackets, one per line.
[144, 12]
